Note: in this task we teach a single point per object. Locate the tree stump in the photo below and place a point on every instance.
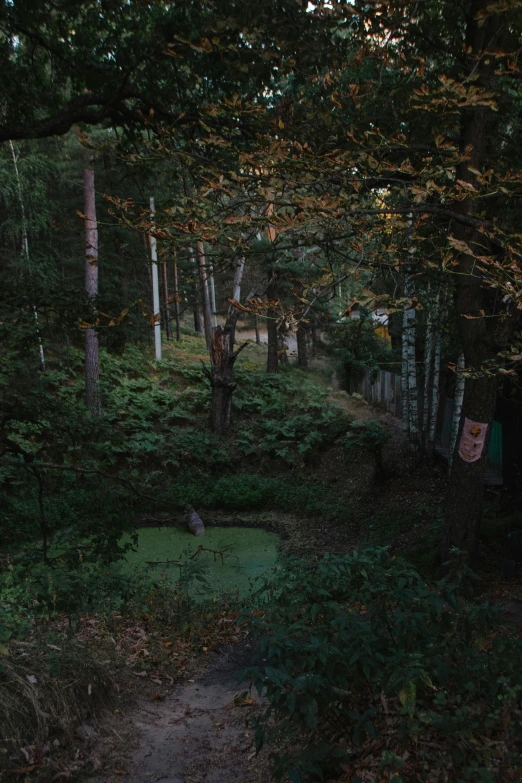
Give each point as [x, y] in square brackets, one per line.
[194, 523]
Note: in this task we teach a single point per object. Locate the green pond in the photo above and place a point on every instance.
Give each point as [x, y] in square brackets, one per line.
[248, 553]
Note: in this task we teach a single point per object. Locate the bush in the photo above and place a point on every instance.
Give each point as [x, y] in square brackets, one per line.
[370, 668]
[368, 436]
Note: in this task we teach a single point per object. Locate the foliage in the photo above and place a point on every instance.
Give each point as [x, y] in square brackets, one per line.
[374, 669]
[356, 346]
[367, 435]
[289, 419]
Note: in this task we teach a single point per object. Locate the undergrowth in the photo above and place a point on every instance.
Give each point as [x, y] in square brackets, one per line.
[369, 669]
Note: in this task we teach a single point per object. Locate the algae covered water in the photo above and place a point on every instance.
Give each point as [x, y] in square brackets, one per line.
[247, 554]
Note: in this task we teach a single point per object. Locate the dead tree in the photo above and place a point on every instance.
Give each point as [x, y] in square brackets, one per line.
[222, 360]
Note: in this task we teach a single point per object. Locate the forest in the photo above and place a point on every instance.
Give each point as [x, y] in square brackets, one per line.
[260, 400]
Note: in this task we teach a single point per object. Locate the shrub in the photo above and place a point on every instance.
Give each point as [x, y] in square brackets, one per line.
[370, 667]
[371, 436]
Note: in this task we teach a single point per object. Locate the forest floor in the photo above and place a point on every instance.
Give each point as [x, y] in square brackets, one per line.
[196, 731]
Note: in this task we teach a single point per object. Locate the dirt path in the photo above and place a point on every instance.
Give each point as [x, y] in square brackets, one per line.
[198, 733]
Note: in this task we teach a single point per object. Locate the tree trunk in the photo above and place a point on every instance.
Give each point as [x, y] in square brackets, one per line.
[256, 327]
[411, 409]
[213, 297]
[435, 395]
[198, 323]
[271, 328]
[404, 381]
[203, 285]
[155, 288]
[315, 337]
[92, 374]
[25, 247]
[222, 360]
[166, 299]
[176, 302]
[458, 399]
[302, 352]
[194, 521]
[428, 366]
[466, 484]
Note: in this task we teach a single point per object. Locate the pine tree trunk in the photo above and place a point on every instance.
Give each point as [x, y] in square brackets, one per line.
[272, 365]
[315, 337]
[176, 302]
[458, 399]
[166, 299]
[256, 327]
[477, 334]
[205, 297]
[302, 352]
[213, 297]
[92, 374]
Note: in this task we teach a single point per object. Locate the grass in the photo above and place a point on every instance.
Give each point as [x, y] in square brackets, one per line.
[47, 690]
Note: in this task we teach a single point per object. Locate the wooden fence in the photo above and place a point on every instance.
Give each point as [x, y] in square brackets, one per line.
[381, 388]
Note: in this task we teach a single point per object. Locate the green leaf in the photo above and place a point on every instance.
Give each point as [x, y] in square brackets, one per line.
[408, 697]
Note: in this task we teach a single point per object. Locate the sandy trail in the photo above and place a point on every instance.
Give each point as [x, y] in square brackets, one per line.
[198, 734]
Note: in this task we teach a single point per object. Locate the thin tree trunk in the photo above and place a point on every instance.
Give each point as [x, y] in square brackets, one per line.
[176, 302]
[256, 327]
[92, 373]
[428, 368]
[302, 352]
[222, 360]
[25, 247]
[435, 395]
[166, 299]
[272, 366]
[198, 323]
[213, 297]
[203, 284]
[458, 399]
[465, 498]
[155, 288]
[315, 337]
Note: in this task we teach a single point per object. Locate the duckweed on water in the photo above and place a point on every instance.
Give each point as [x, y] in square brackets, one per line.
[249, 554]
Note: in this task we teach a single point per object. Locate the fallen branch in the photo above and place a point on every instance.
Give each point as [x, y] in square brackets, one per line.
[72, 469]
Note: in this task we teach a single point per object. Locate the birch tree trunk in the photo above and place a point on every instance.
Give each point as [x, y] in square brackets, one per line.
[428, 368]
[203, 285]
[435, 393]
[410, 410]
[25, 246]
[92, 372]
[176, 302]
[155, 288]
